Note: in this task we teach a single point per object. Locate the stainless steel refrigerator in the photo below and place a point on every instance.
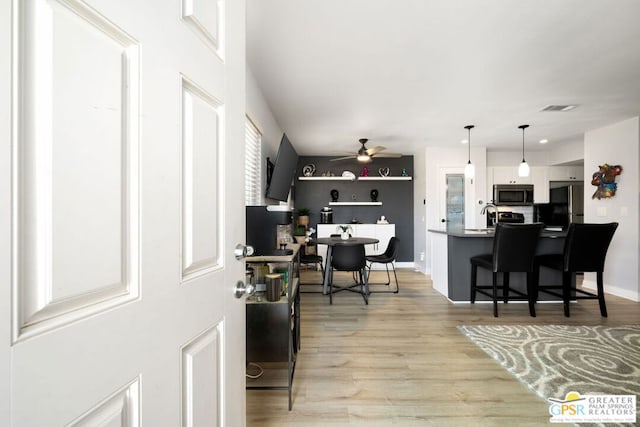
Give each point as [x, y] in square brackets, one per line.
[569, 203]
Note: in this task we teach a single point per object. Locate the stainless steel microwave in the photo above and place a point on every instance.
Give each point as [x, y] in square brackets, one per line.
[513, 194]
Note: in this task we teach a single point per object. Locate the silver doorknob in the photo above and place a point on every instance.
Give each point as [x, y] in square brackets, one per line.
[241, 251]
[242, 289]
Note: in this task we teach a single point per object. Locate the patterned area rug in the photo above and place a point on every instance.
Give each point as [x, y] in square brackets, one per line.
[556, 359]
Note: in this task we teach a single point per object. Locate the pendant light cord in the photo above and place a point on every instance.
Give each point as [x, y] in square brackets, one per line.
[523, 127]
[468, 128]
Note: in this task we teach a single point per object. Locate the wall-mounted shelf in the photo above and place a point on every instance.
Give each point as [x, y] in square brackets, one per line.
[355, 203]
[360, 178]
[384, 178]
[325, 178]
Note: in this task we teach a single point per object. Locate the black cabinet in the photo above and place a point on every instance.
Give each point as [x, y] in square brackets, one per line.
[273, 328]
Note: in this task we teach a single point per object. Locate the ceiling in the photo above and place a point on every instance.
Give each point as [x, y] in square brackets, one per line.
[412, 73]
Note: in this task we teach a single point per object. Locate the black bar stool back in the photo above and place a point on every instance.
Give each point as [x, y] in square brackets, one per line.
[514, 248]
[585, 250]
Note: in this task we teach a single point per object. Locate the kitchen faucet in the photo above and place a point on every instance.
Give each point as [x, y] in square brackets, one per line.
[495, 212]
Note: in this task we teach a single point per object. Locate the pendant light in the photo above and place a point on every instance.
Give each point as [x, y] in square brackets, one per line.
[523, 169]
[469, 169]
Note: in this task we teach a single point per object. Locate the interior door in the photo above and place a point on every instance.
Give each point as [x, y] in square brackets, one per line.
[119, 212]
[455, 200]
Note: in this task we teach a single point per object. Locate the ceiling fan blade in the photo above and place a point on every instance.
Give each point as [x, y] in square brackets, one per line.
[388, 155]
[374, 150]
[342, 158]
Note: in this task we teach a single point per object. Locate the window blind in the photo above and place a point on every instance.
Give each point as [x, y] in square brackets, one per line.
[252, 162]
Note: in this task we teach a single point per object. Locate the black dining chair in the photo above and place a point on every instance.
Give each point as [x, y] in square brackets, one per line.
[514, 248]
[386, 258]
[314, 260]
[349, 258]
[585, 250]
[310, 258]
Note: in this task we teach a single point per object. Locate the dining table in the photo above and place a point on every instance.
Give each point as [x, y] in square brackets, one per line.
[337, 240]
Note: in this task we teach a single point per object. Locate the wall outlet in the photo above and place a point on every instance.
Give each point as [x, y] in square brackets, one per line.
[421, 256]
[624, 211]
[602, 211]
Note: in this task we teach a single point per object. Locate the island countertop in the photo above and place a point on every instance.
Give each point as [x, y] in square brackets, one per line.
[453, 247]
[489, 232]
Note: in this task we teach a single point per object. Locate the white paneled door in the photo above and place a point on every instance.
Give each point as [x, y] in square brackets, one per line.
[121, 163]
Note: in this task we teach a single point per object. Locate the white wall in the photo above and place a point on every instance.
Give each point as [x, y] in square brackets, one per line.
[436, 158]
[571, 152]
[567, 153]
[514, 158]
[260, 113]
[419, 212]
[617, 144]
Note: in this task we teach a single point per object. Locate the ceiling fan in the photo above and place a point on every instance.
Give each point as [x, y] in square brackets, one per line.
[365, 155]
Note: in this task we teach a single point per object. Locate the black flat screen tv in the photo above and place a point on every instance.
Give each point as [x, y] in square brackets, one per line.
[284, 170]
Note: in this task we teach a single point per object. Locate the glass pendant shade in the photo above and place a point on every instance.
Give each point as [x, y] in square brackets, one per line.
[469, 169]
[523, 169]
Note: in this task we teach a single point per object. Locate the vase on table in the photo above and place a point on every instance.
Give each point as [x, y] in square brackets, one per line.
[345, 231]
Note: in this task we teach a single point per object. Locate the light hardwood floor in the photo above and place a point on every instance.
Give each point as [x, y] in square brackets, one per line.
[401, 361]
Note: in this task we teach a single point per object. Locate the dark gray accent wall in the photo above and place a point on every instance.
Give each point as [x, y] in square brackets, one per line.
[396, 196]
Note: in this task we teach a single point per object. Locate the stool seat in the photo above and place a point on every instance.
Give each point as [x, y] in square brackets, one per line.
[485, 260]
[514, 247]
[550, 260]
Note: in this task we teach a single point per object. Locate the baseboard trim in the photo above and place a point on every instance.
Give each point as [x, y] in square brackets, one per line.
[377, 266]
[613, 290]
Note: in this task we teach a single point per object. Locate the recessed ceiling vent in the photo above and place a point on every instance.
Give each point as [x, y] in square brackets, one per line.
[559, 107]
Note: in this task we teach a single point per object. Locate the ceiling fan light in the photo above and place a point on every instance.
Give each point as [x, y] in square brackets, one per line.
[363, 157]
[469, 170]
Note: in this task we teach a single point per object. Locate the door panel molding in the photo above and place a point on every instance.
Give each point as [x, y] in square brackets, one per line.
[201, 375]
[75, 169]
[206, 19]
[202, 177]
[121, 409]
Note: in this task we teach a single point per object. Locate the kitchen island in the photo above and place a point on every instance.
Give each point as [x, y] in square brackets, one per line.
[452, 248]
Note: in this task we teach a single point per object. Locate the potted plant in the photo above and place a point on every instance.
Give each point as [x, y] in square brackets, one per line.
[300, 234]
[345, 231]
[303, 216]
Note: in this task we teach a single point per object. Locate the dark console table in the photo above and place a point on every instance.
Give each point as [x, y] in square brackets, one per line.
[273, 328]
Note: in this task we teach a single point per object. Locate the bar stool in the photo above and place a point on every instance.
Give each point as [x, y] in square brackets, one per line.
[514, 248]
[585, 250]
